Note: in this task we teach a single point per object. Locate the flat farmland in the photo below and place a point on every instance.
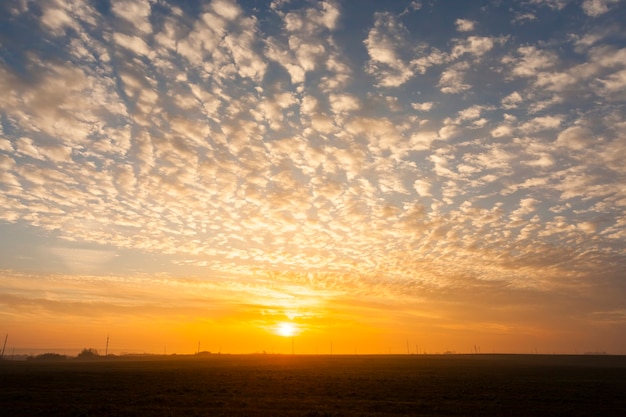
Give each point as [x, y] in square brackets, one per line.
[284, 385]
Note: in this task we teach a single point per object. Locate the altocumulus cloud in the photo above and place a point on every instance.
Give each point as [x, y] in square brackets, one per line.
[244, 140]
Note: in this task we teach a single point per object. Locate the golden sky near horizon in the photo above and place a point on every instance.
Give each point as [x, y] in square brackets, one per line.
[267, 176]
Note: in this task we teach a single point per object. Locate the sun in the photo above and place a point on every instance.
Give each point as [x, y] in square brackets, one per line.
[286, 329]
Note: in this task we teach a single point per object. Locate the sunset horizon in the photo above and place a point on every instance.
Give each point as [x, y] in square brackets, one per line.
[313, 177]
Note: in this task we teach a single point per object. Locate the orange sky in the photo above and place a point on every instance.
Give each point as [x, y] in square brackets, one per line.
[231, 315]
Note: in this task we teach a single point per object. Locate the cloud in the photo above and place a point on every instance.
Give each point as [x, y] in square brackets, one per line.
[475, 45]
[422, 187]
[227, 9]
[343, 103]
[242, 47]
[553, 4]
[422, 140]
[57, 16]
[50, 151]
[596, 8]
[305, 48]
[83, 260]
[530, 61]
[575, 138]
[470, 113]
[136, 13]
[426, 106]
[386, 42]
[452, 80]
[523, 17]
[541, 123]
[613, 83]
[512, 100]
[133, 43]
[464, 25]
[329, 16]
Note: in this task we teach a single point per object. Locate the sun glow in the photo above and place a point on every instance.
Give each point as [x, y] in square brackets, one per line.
[286, 329]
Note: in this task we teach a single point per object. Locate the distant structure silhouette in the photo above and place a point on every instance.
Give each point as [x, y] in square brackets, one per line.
[88, 354]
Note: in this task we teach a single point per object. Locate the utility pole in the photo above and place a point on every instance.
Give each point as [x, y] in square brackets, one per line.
[106, 349]
[4, 346]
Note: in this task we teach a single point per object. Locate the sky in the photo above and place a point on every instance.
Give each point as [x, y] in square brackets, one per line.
[307, 176]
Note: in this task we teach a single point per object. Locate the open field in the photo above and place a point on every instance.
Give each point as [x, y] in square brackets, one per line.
[283, 385]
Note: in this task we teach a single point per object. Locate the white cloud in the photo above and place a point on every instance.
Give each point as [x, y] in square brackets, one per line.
[541, 123]
[541, 105]
[512, 100]
[306, 47]
[531, 61]
[553, 4]
[555, 81]
[57, 19]
[465, 25]
[475, 45]
[227, 9]
[452, 79]
[501, 131]
[329, 15]
[57, 16]
[51, 151]
[135, 12]
[523, 17]
[425, 106]
[241, 45]
[470, 113]
[343, 103]
[386, 43]
[133, 43]
[575, 137]
[596, 8]
[5, 145]
[448, 131]
[273, 108]
[413, 6]
[428, 58]
[614, 83]
[422, 187]
[307, 54]
[422, 140]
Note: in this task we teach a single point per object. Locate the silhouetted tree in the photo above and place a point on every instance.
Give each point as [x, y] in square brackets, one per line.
[88, 354]
[48, 357]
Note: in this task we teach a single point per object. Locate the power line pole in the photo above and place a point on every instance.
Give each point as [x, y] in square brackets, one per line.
[5, 345]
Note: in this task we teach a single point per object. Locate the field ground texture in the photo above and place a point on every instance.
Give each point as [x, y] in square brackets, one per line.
[284, 385]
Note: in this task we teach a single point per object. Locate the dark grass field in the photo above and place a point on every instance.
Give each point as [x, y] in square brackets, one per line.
[283, 385]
